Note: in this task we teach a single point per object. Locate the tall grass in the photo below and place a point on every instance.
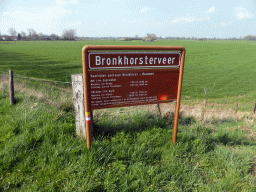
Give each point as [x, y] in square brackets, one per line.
[132, 149]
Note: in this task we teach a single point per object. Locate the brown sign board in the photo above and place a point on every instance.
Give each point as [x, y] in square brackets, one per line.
[115, 88]
[132, 78]
[140, 75]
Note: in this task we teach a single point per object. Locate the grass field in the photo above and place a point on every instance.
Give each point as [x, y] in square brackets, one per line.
[132, 148]
[228, 66]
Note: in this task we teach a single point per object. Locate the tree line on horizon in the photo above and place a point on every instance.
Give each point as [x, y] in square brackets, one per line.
[70, 34]
[67, 34]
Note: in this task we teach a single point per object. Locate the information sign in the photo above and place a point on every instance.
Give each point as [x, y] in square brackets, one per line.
[132, 87]
[118, 79]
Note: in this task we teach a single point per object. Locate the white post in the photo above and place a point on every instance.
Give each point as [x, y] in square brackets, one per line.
[78, 97]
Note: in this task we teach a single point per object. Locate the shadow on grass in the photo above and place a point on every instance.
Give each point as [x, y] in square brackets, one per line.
[135, 124]
[17, 100]
[98, 188]
[215, 121]
[232, 140]
[140, 122]
[118, 140]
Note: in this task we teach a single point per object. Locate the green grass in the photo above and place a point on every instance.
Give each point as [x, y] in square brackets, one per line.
[228, 66]
[131, 150]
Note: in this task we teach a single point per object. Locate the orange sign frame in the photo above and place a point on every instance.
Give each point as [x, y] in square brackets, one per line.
[87, 84]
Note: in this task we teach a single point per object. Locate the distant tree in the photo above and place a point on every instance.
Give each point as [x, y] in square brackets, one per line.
[150, 37]
[128, 39]
[54, 37]
[32, 33]
[69, 34]
[41, 35]
[36, 36]
[136, 36]
[12, 31]
[250, 37]
[23, 34]
[202, 39]
[19, 36]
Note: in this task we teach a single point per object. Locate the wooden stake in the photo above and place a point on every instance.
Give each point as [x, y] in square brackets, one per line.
[177, 109]
[203, 110]
[87, 106]
[236, 117]
[12, 100]
[237, 108]
[158, 109]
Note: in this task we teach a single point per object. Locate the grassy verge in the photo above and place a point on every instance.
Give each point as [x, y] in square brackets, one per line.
[132, 149]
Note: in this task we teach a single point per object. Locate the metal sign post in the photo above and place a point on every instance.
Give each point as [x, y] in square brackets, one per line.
[141, 75]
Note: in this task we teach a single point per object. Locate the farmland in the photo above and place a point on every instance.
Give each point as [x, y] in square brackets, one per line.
[225, 65]
[132, 148]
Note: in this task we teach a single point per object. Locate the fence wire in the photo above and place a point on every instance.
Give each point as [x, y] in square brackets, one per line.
[197, 109]
[43, 80]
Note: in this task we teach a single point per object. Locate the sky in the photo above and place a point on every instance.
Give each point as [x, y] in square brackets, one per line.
[127, 18]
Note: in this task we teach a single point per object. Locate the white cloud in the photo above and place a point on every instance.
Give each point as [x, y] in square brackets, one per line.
[63, 3]
[211, 10]
[182, 19]
[42, 19]
[144, 9]
[225, 23]
[242, 13]
[203, 18]
[74, 24]
[130, 21]
[5, 13]
[28, 14]
[190, 19]
[56, 10]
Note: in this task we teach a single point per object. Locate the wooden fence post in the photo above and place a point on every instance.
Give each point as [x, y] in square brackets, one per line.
[203, 110]
[12, 100]
[158, 109]
[78, 97]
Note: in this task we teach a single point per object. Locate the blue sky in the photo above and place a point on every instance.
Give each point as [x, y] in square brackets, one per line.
[127, 18]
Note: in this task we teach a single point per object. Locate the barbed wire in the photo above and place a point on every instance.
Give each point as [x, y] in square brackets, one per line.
[37, 79]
